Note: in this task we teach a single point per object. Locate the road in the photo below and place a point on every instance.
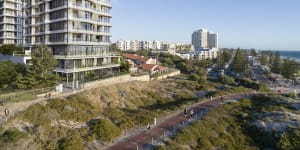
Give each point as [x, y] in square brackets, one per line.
[145, 139]
[259, 75]
[281, 84]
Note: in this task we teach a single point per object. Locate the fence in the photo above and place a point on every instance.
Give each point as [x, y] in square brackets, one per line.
[24, 95]
[167, 133]
[171, 124]
[29, 95]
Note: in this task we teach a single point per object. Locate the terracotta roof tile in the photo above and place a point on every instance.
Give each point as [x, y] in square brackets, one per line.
[142, 59]
[147, 66]
[160, 68]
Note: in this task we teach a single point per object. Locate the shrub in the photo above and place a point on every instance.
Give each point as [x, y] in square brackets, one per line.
[202, 81]
[71, 143]
[194, 77]
[104, 129]
[12, 135]
[226, 80]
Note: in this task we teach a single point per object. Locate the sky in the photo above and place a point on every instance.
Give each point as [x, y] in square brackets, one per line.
[259, 24]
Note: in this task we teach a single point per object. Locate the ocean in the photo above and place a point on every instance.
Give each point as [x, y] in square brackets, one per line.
[290, 54]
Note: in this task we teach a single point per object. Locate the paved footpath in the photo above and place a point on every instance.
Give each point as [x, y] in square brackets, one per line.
[15, 108]
[143, 139]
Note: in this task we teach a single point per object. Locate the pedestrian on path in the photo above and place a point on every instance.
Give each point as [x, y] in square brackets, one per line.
[6, 112]
[154, 121]
[148, 127]
[191, 113]
[210, 98]
[185, 112]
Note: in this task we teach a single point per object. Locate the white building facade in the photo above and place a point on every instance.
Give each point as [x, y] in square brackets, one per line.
[11, 22]
[203, 39]
[205, 44]
[147, 45]
[78, 33]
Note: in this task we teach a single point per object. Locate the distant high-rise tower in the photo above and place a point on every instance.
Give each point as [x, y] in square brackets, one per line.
[11, 22]
[202, 39]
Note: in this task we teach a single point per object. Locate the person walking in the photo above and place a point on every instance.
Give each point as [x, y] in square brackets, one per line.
[191, 113]
[185, 112]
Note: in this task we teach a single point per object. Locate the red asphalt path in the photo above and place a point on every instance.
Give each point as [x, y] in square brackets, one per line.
[146, 137]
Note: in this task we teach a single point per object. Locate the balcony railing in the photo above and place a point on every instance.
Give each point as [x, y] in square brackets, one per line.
[92, 40]
[112, 54]
[86, 68]
[89, 30]
[76, 16]
[90, 7]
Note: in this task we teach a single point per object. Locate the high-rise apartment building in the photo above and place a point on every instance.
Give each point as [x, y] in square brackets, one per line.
[11, 22]
[202, 39]
[77, 31]
[212, 40]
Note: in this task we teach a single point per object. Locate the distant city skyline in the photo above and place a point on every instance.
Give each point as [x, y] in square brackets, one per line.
[268, 25]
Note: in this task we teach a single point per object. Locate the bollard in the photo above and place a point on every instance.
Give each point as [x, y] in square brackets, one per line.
[152, 141]
[174, 129]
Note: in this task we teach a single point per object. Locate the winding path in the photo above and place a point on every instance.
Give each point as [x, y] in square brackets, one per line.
[145, 139]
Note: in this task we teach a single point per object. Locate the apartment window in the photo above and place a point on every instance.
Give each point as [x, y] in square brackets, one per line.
[88, 15]
[40, 39]
[58, 26]
[89, 62]
[41, 8]
[59, 37]
[57, 3]
[57, 14]
[86, 26]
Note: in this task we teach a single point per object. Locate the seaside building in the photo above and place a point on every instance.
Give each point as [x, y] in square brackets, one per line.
[205, 44]
[168, 47]
[134, 45]
[203, 39]
[205, 54]
[78, 33]
[11, 22]
[156, 45]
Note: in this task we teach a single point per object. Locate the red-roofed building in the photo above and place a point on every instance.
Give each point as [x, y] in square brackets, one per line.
[136, 60]
[151, 68]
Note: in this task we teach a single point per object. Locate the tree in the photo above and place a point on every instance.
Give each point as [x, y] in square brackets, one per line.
[9, 49]
[8, 73]
[238, 64]
[253, 52]
[263, 59]
[125, 66]
[291, 67]
[227, 55]
[276, 66]
[40, 73]
[220, 60]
